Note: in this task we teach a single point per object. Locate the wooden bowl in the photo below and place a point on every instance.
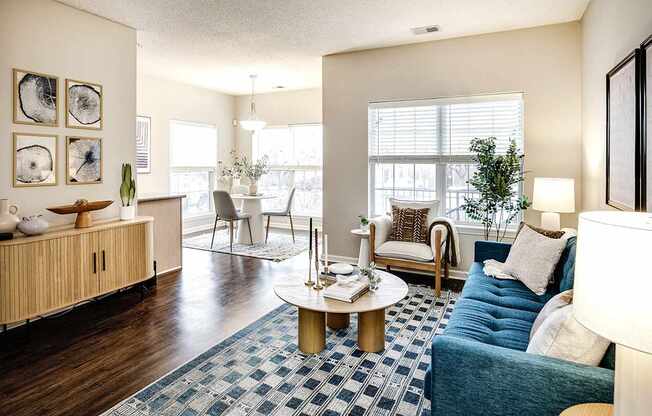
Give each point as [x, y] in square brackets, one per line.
[82, 209]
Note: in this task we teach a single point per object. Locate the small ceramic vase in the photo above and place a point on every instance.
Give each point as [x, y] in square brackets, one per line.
[253, 187]
[33, 225]
[127, 213]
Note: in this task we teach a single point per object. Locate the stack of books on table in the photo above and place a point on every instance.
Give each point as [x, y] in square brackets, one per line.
[347, 293]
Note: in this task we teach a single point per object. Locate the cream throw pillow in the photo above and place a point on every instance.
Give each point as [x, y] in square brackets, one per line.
[562, 336]
[533, 258]
[558, 301]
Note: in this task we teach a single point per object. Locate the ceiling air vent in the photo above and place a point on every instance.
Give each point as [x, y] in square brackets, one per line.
[424, 30]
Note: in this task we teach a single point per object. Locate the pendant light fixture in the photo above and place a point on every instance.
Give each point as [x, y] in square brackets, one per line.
[252, 123]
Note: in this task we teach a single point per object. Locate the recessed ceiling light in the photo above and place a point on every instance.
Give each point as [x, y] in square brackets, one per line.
[424, 30]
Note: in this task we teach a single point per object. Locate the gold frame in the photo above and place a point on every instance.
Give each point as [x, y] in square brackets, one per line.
[101, 91]
[14, 182]
[68, 179]
[14, 82]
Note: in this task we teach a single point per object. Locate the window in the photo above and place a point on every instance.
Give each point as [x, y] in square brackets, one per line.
[420, 149]
[295, 157]
[193, 161]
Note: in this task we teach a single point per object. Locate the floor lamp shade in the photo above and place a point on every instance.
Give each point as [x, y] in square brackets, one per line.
[612, 297]
[552, 196]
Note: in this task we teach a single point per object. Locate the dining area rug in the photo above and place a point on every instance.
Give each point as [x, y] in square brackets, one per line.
[279, 246]
[259, 371]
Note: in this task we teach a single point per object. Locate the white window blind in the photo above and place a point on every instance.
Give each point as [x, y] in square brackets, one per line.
[438, 128]
[192, 144]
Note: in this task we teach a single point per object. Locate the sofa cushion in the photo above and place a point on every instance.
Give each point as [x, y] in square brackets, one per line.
[495, 312]
[565, 270]
[406, 250]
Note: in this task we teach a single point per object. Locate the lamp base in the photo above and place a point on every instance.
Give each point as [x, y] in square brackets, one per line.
[632, 383]
[550, 221]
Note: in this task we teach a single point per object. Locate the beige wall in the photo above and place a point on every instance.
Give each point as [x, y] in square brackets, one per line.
[279, 109]
[543, 62]
[45, 36]
[167, 100]
[610, 31]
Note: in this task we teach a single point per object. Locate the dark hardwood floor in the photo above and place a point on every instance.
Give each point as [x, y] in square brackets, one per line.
[87, 360]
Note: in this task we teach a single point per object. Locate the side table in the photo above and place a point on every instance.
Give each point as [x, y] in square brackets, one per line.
[363, 257]
[589, 409]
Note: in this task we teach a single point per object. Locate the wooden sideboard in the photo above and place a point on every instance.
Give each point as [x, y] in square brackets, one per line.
[42, 274]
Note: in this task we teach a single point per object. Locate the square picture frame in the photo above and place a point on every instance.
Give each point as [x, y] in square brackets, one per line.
[623, 134]
[35, 98]
[34, 160]
[84, 105]
[84, 160]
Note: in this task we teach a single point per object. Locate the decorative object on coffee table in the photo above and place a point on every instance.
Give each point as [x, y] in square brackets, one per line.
[8, 218]
[33, 225]
[309, 282]
[589, 409]
[84, 160]
[127, 194]
[315, 311]
[83, 210]
[597, 265]
[553, 196]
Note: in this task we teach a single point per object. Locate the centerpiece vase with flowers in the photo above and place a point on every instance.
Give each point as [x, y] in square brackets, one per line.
[254, 171]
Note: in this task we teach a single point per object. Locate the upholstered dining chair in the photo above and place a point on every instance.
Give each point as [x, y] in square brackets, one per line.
[287, 212]
[225, 211]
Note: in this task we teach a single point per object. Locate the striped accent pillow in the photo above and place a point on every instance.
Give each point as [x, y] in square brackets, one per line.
[409, 224]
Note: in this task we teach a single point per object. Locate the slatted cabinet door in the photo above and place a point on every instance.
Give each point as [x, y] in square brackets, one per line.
[120, 257]
[42, 276]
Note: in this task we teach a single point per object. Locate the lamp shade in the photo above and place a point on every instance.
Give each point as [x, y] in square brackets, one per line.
[613, 282]
[554, 194]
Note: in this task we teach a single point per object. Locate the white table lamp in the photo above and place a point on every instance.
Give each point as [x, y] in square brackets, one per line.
[613, 298]
[552, 196]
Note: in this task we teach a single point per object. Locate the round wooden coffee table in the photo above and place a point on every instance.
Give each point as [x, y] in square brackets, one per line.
[315, 312]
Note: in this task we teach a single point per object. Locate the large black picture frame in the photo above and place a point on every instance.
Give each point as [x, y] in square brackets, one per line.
[645, 68]
[623, 85]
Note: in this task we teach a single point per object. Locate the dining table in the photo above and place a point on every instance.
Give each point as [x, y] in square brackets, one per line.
[252, 205]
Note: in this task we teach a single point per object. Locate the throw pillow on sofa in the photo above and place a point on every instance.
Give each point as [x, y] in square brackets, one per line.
[542, 231]
[562, 336]
[533, 258]
[409, 224]
[560, 300]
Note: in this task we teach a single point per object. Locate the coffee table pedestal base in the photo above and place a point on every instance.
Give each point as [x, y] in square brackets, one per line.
[371, 331]
[312, 331]
[338, 320]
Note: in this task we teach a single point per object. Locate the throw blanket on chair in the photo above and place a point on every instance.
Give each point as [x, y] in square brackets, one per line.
[451, 241]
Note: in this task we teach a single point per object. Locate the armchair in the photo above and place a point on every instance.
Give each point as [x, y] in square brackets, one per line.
[412, 256]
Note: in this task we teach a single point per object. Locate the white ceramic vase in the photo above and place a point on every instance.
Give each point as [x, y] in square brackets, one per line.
[127, 213]
[33, 225]
[8, 218]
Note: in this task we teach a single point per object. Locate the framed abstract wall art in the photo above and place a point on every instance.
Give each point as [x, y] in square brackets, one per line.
[624, 144]
[35, 98]
[84, 164]
[84, 104]
[143, 144]
[34, 160]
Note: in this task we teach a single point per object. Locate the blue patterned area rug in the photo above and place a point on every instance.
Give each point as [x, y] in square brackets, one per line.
[259, 371]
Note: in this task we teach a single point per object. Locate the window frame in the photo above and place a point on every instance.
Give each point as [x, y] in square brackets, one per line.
[441, 162]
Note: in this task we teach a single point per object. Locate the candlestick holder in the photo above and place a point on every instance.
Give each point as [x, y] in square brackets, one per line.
[318, 285]
[309, 282]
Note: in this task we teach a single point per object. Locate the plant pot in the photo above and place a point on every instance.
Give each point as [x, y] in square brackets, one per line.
[364, 227]
[253, 188]
[8, 218]
[127, 213]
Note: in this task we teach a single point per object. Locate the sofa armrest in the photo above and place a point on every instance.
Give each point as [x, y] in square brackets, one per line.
[486, 250]
[471, 378]
[382, 225]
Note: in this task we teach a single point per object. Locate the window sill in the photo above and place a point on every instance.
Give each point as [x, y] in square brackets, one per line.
[476, 230]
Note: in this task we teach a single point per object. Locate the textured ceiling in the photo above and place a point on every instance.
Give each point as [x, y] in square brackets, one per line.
[216, 44]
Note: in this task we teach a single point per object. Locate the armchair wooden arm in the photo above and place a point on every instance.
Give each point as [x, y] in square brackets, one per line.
[434, 266]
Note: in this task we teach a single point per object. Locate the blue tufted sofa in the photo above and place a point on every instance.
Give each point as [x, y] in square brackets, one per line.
[479, 364]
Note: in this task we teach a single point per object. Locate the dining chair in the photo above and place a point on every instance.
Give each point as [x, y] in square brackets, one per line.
[225, 211]
[287, 212]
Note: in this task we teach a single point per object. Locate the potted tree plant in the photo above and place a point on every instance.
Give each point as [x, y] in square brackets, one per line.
[127, 194]
[496, 182]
